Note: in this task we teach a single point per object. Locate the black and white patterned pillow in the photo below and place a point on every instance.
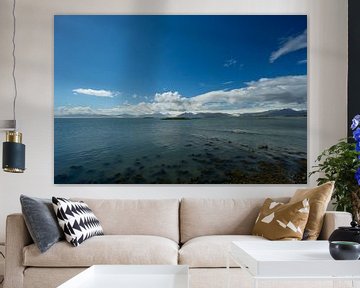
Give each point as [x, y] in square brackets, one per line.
[77, 220]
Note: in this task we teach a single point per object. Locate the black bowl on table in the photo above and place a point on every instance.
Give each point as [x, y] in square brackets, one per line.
[344, 250]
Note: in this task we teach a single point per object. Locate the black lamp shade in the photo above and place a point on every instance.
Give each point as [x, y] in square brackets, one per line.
[13, 157]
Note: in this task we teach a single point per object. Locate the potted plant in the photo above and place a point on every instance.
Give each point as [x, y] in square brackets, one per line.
[341, 163]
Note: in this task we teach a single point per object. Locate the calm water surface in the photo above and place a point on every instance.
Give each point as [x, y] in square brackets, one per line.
[196, 151]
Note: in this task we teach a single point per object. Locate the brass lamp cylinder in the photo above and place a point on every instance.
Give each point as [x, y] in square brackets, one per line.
[13, 153]
[13, 136]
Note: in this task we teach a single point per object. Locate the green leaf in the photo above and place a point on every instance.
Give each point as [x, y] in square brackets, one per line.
[338, 163]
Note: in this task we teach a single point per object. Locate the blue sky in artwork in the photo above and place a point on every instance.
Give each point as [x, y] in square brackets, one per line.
[141, 65]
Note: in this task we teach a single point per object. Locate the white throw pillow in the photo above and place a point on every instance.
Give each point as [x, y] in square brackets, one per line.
[77, 220]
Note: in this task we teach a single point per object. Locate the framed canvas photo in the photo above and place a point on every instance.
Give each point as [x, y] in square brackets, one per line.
[195, 99]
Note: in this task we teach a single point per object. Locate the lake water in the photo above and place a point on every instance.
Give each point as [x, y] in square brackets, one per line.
[232, 150]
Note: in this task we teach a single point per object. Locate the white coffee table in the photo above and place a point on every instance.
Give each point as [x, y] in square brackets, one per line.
[292, 260]
[131, 276]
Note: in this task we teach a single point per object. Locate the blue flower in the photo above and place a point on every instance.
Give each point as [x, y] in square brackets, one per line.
[355, 122]
[357, 176]
[356, 134]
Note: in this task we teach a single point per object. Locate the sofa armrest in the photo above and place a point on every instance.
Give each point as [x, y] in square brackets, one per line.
[333, 220]
[17, 237]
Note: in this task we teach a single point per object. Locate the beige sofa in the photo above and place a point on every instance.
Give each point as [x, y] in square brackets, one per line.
[194, 232]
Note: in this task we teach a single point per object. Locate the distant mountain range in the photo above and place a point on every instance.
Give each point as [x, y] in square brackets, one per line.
[277, 113]
[87, 115]
[189, 115]
[269, 113]
[203, 115]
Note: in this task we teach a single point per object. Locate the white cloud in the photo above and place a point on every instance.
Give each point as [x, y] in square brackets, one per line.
[73, 111]
[263, 94]
[302, 61]
[98, 93]
[228, 82]
[230, 62]
[290, 45]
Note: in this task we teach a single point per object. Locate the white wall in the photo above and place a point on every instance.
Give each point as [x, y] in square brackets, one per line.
[327, 89]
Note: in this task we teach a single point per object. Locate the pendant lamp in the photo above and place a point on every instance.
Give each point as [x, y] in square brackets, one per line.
[13, 160]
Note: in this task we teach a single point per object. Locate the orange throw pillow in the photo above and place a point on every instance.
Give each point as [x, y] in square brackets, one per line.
[279, 221]
[319, 198]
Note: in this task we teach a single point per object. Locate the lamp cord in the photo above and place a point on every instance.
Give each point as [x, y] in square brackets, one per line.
[2, 280]
[14, 61]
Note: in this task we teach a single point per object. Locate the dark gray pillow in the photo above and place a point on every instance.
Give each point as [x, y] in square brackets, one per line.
[41, 221]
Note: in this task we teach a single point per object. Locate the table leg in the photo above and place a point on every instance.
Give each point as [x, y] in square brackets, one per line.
[228, 270]
[340, 283]
[255, 283]
[355, 283]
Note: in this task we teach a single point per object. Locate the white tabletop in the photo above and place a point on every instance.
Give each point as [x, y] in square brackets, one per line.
[131, 276]
[291, 259]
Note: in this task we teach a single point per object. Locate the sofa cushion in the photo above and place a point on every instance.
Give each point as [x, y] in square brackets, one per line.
[41, 221]
[107, 249]
[211, 251]
[158, 217]
[279, 221]
[76, 220]
[200, 217]
[319, 198]
[35, 277]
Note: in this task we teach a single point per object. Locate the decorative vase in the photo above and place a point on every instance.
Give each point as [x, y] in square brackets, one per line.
[344, 233]
[344, 250]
